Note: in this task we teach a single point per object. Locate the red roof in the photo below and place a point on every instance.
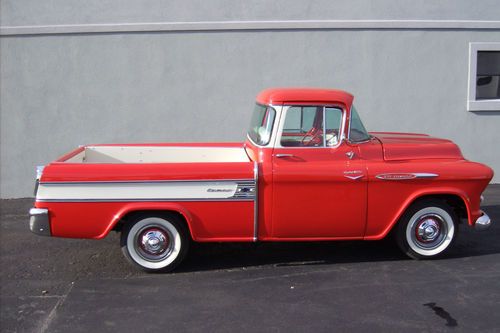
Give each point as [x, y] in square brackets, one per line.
[304, 95]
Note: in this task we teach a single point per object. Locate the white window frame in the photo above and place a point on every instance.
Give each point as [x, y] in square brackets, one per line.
[472, 103]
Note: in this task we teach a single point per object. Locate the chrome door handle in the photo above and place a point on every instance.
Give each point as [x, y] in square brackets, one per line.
[283, 155]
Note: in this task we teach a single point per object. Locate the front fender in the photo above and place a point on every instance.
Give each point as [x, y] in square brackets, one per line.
[374, 233]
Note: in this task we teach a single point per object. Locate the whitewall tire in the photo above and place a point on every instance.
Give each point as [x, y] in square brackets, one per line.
[155, 243]
[427, 229]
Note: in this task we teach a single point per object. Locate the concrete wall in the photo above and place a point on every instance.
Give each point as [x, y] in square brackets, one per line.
[59, 91]
[36, 12]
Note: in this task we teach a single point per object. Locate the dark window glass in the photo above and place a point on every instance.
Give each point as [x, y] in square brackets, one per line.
[488, 75]
[357, 131]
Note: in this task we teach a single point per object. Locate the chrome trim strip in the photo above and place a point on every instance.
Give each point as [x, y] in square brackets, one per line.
[424, 175]
[395, 176]
[95, 28]
[406, 176]
[145, 200]
[93, 182]
[256, 202]
[324, 126]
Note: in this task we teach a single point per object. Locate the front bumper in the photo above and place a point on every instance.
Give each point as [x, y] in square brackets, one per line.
[483, 222]
[40, 221]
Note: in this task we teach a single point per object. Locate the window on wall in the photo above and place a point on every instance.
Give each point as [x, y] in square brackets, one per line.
[484, 77]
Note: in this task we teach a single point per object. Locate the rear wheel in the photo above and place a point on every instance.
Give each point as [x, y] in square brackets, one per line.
[427, 229]
[155, 243]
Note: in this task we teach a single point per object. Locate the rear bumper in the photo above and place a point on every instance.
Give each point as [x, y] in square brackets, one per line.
[40, 221]
[483, 222]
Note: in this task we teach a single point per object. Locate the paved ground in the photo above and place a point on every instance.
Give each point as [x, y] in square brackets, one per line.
[61, 285]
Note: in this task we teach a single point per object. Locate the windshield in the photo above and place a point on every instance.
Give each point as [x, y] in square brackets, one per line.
[357, 131]
[261, 125]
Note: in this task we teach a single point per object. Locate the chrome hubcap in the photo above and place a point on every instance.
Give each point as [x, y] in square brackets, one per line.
[429, 231]
[154, 243]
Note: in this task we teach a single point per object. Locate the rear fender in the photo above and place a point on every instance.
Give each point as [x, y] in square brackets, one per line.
[137, 206]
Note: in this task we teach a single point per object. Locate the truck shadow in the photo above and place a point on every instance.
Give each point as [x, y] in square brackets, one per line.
[202, 257]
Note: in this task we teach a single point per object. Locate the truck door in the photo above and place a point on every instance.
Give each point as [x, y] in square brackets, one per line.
[320, 186]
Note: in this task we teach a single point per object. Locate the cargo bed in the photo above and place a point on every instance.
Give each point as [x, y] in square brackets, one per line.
[156, 154]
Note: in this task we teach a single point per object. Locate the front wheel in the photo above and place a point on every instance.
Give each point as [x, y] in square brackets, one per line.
[155, 242]
[427, 229]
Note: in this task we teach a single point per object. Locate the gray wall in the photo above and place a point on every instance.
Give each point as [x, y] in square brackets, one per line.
[60, 91]
[36, 12]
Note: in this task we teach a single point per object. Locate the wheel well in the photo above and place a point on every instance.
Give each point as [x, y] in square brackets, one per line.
[454, 201]
[130, 216]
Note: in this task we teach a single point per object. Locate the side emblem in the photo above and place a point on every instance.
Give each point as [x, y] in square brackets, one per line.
[396, 176]
[219, 190]
[353, 174]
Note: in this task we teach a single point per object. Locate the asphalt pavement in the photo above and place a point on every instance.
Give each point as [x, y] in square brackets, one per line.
[71, 285]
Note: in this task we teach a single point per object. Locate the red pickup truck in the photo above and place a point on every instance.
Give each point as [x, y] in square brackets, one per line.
[308, 171]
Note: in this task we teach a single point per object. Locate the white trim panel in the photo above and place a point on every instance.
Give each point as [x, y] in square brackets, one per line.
[203, 190]
[246, 25]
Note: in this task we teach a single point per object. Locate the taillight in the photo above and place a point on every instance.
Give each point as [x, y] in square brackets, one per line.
[39, 171]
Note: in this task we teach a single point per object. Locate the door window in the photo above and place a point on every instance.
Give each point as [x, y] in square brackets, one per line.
[311, 126]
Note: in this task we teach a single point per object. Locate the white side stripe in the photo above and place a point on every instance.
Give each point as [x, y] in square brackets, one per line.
[203, 190]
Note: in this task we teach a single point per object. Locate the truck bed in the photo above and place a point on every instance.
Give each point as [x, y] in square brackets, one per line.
[213, 184]
[151, 162]
[157, 154]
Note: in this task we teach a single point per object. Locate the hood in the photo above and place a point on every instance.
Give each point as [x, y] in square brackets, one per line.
[412, 146]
